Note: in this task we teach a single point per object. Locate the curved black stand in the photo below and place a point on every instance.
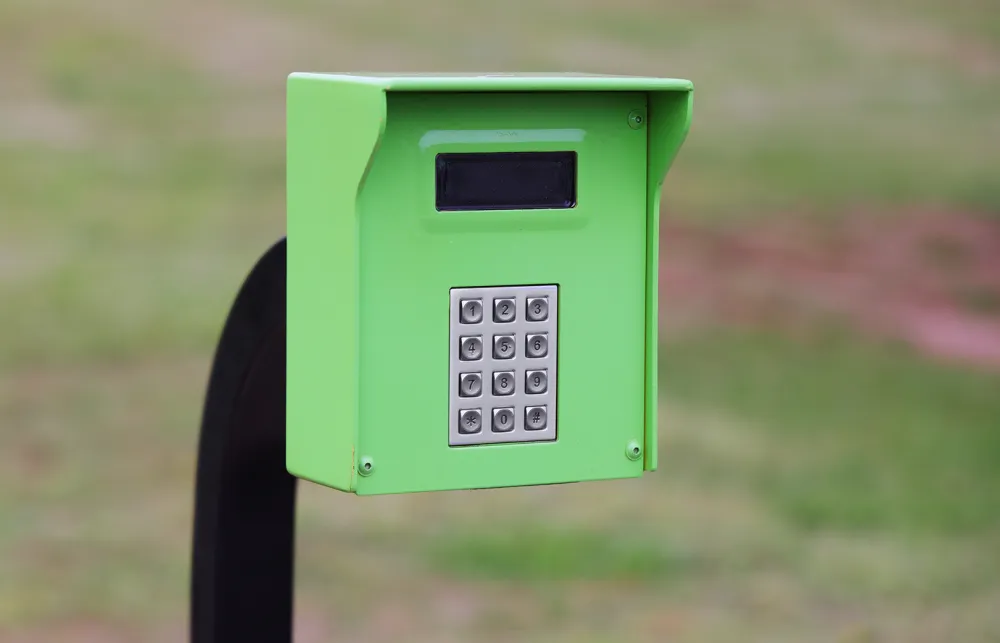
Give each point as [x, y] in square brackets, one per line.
[244, 522]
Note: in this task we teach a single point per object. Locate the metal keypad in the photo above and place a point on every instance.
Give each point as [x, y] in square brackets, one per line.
[503, 357]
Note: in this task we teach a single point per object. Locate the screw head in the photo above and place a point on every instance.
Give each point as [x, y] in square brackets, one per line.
[636, 119]
[366, 467]
[633, 451]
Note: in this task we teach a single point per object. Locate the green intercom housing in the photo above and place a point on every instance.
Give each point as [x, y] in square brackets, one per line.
[472, 277]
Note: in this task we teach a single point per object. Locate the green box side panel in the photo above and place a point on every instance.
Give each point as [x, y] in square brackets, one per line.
[411, 255]
[669, 120]
[333, 129]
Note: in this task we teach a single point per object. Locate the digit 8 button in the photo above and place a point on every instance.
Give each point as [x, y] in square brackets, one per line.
[503, 383]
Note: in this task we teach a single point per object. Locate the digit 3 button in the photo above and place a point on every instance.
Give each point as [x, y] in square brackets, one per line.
[535, 418]
[536, 345]
[536, 382]
[503, 383]
[470, 348]
[503, 310]
[503, 420]
[537, 308]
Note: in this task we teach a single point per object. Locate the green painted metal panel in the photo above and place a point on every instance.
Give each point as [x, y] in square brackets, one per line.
[372, 261]
[332, 131]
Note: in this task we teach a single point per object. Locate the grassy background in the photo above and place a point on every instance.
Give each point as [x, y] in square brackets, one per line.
[825, 489]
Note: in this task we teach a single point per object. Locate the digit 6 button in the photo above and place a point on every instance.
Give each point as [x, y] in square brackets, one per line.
[536, 345]
[536, 382]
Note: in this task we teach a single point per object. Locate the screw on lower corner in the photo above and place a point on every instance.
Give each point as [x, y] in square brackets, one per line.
[366, 467]
[633, 451]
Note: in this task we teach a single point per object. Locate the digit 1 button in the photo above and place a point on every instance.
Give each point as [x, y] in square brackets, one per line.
[535, 382]
[503, 310]
[535, 418]
[503, 346]
[503, 420]
[536, 345]
[472, 311]
[470, 385]
[503, 383]
[470, 421]
[537, 308]
[470, 348]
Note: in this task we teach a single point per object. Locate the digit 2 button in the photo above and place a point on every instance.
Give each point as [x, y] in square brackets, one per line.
[503, 310]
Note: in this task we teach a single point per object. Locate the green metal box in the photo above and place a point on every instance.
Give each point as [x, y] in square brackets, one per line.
[472, 277]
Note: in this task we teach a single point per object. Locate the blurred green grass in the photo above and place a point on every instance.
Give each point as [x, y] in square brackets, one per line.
[839, 490]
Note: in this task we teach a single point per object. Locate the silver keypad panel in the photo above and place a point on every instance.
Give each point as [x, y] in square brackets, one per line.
[503, 356]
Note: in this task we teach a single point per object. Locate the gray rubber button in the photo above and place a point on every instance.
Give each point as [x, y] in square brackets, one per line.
[536, 345]
[537, 309]
[503, 346]
[503, 383]
[472, 311]
[503, 420]
[470, 421]
[471, 348]
[535, 418]
[536, 382]
[504, 310]
[470, 385]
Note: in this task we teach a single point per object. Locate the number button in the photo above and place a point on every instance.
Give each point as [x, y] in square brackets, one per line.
[470, 421]
[538, 308]
[536, 345]
[503, 346]
[535, 418]
[503, 383]
[503, 310]
[472, 311]
[470, 348]
[470, 385]
[503, 420]
[536, 382]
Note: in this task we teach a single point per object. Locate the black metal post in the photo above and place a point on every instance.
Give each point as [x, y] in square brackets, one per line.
[242, 565]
